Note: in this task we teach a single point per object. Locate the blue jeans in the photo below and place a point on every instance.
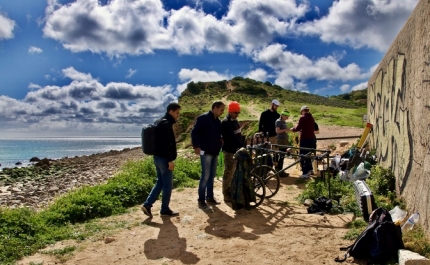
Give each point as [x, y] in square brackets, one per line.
[206, 184]
[164, 183]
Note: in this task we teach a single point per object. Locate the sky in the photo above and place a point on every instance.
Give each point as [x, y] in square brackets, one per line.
[107, 67]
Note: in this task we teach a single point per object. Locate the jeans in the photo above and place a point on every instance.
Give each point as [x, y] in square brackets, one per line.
[307, 163]
[206, 184]
[164, 183]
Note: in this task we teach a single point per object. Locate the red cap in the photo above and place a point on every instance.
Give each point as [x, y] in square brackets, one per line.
[233, 107]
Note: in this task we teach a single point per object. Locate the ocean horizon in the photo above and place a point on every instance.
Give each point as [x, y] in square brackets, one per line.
[21, 150]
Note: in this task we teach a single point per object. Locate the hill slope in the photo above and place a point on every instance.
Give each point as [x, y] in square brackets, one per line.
[255, 97]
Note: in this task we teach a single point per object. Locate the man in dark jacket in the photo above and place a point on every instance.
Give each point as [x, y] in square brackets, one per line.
[164, 157]
[306, 127]
[207, 141]
[268, 119]
[233, 140]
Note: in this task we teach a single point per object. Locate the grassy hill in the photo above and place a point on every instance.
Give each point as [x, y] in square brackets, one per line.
[254, 97]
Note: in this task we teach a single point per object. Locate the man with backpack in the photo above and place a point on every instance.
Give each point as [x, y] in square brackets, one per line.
[165, 154]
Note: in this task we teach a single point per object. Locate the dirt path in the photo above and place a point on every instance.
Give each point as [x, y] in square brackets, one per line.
[277, 232]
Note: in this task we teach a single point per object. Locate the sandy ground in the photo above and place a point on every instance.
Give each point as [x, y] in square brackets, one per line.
[280, 231]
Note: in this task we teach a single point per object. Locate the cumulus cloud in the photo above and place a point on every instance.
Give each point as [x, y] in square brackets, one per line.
[360, 86]
[361, 23]
[142, 26]
[33, 50]
[345, 88]
[257, 74]
[83, 104]
[195, 75]
[6, 27]
[291, 66]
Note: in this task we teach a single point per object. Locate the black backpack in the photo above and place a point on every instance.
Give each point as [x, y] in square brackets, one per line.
[148, 137]
[321, 205]
[379, 242]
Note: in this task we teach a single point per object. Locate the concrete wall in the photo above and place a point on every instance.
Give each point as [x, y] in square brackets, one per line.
[399, 109]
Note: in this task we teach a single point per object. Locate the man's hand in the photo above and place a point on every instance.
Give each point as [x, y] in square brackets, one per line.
[197, 150]
[171, 165]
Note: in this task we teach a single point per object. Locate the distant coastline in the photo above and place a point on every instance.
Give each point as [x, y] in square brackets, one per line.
[21, 150]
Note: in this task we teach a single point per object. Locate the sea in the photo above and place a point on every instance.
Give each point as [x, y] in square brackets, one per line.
[21, 150]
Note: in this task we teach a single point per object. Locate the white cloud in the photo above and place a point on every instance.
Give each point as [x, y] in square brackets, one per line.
[130, 73]
[292, 66]
[361, 23]
[257, 74]
[345, 88]
[202, 76]
[134, 27]
[360, 86]
[71, 73]
[195, 75]
[33, 50]
[85, 104]
[6, 27]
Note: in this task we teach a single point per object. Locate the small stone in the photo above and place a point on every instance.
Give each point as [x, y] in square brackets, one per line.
[109, 239]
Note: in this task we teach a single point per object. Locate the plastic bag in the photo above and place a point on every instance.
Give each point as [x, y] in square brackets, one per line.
[398, 215]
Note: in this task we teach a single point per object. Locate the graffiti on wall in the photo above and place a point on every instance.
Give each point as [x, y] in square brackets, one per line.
[391, 136]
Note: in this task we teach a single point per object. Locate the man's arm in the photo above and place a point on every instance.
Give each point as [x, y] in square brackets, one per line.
[261, 123]
[195, 135]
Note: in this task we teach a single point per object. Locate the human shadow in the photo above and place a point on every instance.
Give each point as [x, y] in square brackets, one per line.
[169, 245]
[245, 224]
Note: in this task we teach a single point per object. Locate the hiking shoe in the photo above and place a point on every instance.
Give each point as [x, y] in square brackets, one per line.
[204, 206]
[146, 210]
[169, 213]
[212, 201]
[305, 176]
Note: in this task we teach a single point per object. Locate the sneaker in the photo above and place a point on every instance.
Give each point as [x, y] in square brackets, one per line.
[204, 206]
[146, 210]
[305, 176]
[169, 213]
[212, 201]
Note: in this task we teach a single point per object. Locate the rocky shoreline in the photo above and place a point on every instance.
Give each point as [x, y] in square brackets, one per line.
[35, 186]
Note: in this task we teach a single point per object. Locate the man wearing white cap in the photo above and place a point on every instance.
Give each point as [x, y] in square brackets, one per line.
[306, 127]
[268, 119]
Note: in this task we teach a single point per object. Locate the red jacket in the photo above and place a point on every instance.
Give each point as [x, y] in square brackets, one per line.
[306, 126]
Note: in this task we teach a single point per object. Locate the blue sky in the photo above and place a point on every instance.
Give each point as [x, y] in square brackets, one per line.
[106, 67]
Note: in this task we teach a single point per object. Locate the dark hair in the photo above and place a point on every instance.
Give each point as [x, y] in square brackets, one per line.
[173, 106]
[217, 104]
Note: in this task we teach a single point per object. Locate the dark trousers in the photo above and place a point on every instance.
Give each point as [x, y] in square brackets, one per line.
[306, 163]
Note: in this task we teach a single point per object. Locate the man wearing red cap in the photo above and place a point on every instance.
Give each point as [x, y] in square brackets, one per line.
[233, 140]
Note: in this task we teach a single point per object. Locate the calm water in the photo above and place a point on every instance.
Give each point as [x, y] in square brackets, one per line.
[22, 150]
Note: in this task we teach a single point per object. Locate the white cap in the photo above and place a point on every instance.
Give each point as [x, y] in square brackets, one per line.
[276, 102]
[304, 107]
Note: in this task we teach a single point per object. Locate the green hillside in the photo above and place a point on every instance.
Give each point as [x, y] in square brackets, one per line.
[255, 97]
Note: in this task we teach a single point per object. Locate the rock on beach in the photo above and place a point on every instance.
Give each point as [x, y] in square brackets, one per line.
[35, 186]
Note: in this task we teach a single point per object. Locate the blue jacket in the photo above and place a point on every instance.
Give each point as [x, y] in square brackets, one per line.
[206, 134]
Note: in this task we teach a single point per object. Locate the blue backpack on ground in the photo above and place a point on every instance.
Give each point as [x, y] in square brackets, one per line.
[148, 137]
[379, 242]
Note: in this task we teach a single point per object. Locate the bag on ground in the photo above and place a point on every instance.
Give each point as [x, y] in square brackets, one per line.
[379, 242]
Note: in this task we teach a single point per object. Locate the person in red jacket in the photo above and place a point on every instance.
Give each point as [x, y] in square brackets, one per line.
[306, 128]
